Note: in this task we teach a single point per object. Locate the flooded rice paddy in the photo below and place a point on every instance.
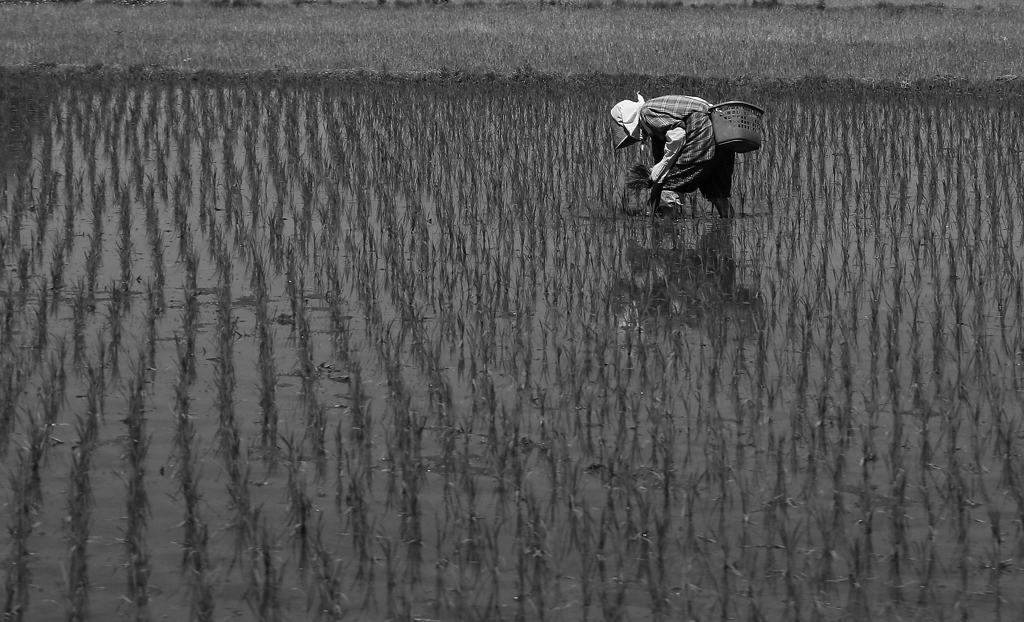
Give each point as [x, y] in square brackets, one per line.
[400, 351]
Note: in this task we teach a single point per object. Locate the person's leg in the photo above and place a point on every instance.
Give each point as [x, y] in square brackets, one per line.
[724, 206]
[716, 186]
[683, 179]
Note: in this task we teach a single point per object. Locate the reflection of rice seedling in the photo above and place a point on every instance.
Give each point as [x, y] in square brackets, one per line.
[9, 319]
[80, 503]
[26, 499]
[42, 317]
[299, 505]
[79, 305]
[57, 265]
[137, 512]
[195, 557]
[530, 397]
[17, 573]
[11, 386]
[190, 320]
[24, 261]
[329, 573]
[228, 429]
[264, 596]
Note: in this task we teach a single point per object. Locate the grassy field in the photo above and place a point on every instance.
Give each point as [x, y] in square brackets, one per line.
[892, 42]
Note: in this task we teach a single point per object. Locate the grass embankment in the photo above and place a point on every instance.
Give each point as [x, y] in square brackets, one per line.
[781, 43]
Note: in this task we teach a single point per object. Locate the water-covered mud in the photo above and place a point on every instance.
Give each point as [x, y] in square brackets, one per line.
[292, 348]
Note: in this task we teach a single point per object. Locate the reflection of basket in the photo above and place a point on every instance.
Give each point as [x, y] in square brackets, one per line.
[737, 126]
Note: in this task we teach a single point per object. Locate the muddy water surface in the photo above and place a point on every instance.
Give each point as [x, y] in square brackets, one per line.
[403, 351]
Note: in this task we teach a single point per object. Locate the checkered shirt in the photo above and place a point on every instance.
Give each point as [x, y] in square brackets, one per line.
[660, 115]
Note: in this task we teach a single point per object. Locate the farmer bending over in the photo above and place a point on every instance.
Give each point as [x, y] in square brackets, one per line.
[683, 145]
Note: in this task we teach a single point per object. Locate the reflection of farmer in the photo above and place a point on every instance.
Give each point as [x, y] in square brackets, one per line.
[683, 145]
[696, 286]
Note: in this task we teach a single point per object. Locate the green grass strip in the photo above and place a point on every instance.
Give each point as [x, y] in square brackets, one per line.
[872, 44]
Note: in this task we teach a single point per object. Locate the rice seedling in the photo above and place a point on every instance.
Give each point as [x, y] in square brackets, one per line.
[42, 316]
[541, 406]
[80, 504]
[195, 554]
[314, 413]
[156, 242]
[267, 368]
[228, 429]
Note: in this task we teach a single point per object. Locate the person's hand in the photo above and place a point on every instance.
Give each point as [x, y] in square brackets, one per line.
[654, 200]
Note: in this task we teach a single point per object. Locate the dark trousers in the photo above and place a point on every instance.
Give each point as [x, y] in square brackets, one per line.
[713, 178]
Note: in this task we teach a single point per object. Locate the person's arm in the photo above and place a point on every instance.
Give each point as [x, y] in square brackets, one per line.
[657, 149]
[670, 152]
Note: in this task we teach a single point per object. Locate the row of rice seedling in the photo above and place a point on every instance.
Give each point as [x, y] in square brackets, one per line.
[474, 388]
[195, 555]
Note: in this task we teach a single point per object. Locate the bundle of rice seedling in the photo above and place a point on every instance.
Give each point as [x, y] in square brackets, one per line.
[638, 177]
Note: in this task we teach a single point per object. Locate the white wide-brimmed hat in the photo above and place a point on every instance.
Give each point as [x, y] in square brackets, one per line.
[627, 115]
